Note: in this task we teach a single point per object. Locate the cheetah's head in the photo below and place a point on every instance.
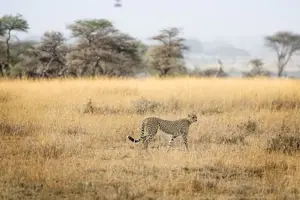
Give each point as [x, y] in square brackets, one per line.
[192, 117]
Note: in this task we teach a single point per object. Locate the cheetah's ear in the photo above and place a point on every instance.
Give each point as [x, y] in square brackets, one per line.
[189, 115]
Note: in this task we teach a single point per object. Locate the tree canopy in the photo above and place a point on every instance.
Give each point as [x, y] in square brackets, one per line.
[285, 44]
[168, 53]
[8, 24]
[97, 48]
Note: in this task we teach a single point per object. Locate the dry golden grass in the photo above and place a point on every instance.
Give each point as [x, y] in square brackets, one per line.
[52, 147]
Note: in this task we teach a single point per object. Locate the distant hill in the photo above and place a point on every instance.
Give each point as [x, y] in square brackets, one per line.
[228, 52]
[215, 48]
[194, 45]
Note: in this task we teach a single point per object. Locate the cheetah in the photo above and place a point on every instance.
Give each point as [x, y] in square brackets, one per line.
[175, 128]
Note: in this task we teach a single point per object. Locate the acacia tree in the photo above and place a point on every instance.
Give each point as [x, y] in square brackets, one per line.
[10, 23]
[2, 48]
[257, 69]
[168, 54]
[285, 44]
[127, 50]
[102, 49]
[83, 56]
[2, 31]
[88, 29]
[21, 50]
[45, 58]
[52, 51]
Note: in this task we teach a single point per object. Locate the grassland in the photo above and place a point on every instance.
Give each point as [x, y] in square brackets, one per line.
[55, 145]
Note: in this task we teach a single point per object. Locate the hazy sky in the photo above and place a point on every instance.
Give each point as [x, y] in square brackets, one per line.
[202, 19]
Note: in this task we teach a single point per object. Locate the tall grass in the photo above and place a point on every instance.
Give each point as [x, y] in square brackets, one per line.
[67, 139]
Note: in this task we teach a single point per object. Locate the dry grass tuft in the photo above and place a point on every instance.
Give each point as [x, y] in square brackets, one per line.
[66, 139]
[17, 130]
[143, 106]
[288, 144]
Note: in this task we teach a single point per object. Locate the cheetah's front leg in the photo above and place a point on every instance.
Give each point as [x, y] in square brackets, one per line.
[184, 137]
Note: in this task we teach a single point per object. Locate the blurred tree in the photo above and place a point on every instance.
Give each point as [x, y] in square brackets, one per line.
[19, 51]
[52, 51]
[102, 49]
[8, 24]
[285, 44]
[257, 69]
[44, 59]
[168, 54]
[88, 30]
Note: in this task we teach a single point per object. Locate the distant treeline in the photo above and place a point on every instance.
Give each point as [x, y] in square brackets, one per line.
[100, 49]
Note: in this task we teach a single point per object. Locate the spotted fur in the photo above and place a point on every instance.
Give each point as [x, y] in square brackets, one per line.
[175, 128]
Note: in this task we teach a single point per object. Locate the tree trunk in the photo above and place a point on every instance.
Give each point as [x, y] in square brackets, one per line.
[47, 67]
[164, 71]
[1, 69]
[96, 66]
[282, 62]
[280, 69]
[83, 71]
[279, 74]
[20, 75]
[8, 51]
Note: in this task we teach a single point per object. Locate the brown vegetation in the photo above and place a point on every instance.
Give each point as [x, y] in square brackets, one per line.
[67, 139]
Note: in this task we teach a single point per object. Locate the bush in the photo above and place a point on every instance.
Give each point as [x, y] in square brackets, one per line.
[239, 133]
[12, 129]
[143, 106]
[287, 144]
[90, 108]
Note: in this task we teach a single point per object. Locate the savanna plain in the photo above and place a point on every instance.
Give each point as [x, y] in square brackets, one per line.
[66, 139]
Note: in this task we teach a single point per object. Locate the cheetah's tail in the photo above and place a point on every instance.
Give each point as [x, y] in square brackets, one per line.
[141, 137]
[133, 140]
